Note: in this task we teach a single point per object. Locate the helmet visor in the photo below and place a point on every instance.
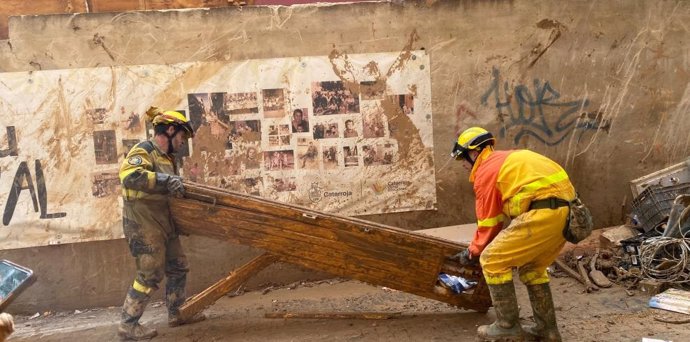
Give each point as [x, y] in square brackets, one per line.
[458, 152]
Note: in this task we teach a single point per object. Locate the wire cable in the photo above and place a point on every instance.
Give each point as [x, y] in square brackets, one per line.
[666, 259]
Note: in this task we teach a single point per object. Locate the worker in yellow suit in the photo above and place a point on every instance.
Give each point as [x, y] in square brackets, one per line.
[149, 177]
[531, 193]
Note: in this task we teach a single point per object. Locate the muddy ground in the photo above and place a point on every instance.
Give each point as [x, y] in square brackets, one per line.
[609, 315]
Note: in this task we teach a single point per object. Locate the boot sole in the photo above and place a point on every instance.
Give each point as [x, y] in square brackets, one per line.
[501, 339]
[128, 338]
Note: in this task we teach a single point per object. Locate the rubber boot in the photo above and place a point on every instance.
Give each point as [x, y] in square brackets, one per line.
[174, 297]
[507, 326]
[174, 321]
[132, 309]
[544, 314]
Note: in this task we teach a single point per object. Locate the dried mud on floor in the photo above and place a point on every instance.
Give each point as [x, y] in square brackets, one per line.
[609, 315]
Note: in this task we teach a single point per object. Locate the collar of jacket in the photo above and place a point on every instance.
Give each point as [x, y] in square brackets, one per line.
[480, 159]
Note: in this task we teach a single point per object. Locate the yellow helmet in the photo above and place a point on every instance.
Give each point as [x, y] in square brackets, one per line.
[473, 138]
[158, 117]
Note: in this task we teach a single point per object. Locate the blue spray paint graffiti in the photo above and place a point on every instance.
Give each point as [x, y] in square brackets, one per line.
[532, 114]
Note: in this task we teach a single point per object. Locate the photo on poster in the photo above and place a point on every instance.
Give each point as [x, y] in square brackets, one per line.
[326, 130]
[105, 147]
[284, 184]
[351, 154]
[252, 186]
[279, 135]
[331, 97]
[373, 121]
[330, 157]
[379, 154]
[405, 103]
[132, 121]
[252, 158]
[198, 105]
[241, 103]
[352, 128]
[307, 154]
[96, 115]
[218, 107]
[127, 145]
[274, 103]
[300, 120]
[243, 131]
[372, 90]
[105, 184]
[279, 160]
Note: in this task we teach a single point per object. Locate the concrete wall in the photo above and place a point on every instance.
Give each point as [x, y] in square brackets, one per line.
[601, 87]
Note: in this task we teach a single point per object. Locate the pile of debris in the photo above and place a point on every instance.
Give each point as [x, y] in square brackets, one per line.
[650, 253]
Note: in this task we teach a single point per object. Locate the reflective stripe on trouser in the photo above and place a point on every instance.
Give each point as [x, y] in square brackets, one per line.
[157, 250]
[530, 243]
[135, 303]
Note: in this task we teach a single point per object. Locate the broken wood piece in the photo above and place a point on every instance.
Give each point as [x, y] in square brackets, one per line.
[682, 321]
[589, 287]
[238, 277]
[597, 276]
[571, 272]
[334, 315]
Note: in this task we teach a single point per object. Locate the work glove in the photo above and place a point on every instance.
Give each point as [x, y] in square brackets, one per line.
[465, 258]
[175, 186]
[171, 184]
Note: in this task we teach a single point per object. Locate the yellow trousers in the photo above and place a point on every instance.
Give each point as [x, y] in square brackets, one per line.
[530, 243]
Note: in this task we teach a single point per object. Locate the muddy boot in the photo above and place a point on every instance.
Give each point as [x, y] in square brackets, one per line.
[133, 308]
[176, 320]
[174, 298]
[507, 326]
[544, 314]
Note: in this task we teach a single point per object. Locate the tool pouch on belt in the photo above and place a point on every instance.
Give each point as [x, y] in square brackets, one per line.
[579, 224]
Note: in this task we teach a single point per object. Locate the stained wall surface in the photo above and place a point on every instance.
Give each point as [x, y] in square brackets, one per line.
[600, 87]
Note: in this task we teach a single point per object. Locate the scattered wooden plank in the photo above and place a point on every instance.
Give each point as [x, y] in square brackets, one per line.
[172, 4]
[209, 296]
[589, 287]
[571, 272]
[334, 315]
[98, 6]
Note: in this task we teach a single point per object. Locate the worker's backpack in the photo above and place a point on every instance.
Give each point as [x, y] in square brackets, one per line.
[579, 224]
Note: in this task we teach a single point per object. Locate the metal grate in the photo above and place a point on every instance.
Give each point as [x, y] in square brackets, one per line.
[653, 205]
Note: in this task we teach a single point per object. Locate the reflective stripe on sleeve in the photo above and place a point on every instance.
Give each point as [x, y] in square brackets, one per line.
[490, 222]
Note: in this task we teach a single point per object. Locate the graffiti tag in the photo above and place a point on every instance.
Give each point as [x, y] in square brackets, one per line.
[539, 112]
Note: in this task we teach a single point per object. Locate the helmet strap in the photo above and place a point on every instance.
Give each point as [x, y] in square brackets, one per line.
[469, 159]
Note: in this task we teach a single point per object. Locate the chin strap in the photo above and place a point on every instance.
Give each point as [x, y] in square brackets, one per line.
[469, 159]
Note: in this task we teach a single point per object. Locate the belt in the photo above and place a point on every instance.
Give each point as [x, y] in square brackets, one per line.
[550, 203]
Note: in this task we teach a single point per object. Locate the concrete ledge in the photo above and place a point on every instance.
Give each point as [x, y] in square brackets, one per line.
[461, 233]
